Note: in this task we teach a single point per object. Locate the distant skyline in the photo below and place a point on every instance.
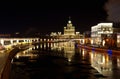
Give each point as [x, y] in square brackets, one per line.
[45, 17]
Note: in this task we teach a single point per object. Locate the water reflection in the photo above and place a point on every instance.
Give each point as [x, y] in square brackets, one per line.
[105, 64]
[101, 62]
[27, 53]
[68, 48]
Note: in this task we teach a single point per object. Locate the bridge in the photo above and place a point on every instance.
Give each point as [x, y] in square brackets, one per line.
[80, 40]
[8, 42]
[7, 51]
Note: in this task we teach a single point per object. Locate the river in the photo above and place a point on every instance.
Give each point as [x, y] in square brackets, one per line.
[64, 60]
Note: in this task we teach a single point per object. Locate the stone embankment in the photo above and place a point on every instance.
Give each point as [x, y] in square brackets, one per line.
[101, 49]
[6, 69]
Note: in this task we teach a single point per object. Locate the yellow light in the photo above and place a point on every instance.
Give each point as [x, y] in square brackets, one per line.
[69, 59]
[17, 56]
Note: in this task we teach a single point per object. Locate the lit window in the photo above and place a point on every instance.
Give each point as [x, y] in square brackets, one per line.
[103, 29]
[110, 29]
[118, 36]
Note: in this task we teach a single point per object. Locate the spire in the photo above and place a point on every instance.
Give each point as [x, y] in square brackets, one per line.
[69, 21]
[69, 18]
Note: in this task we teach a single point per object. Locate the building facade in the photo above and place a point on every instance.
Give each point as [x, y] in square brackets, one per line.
[100, 32]
[68, 32]
[105, 34]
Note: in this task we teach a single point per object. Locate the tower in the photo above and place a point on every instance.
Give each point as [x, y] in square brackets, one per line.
[69, 30]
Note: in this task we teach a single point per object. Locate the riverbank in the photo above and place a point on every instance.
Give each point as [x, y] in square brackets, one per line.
[6, 68]
[101, 49]
[7, 58]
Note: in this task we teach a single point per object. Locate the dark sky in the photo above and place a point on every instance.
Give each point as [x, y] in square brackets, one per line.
[48, 16]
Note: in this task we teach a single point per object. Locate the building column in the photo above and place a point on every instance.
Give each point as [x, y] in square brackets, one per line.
[11, 41]
[2, 42]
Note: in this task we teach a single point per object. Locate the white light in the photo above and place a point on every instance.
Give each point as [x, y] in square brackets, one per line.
[17, 56]
[106, 24]
[37, 46]
[103, 43]
[69, 21]
[2, 41]
[69, 59]
[118, 36]
[92, 41]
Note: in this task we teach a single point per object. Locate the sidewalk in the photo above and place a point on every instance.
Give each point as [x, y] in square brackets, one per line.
[3, 58]
[7, 63]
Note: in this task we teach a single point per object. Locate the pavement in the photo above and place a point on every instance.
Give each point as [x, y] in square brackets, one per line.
[3, 58]
[5, 61]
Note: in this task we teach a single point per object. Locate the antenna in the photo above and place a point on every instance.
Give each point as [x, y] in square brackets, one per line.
[69, 18]
[69, 21]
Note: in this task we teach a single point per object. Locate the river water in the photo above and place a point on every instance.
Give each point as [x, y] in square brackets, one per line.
[64, 60]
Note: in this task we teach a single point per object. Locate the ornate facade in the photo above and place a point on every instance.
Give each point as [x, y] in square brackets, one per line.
[69, 30]
[68, 33]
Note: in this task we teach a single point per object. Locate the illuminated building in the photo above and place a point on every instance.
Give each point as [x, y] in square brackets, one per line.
[105, 34]
[117, 36]
[87, 37]
[69, 32]
[100, 32]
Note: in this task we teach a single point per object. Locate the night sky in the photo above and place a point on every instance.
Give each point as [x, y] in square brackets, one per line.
[47, 16]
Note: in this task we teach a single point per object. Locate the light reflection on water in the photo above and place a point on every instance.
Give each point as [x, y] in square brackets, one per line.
[102, 62]
[27, 53]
